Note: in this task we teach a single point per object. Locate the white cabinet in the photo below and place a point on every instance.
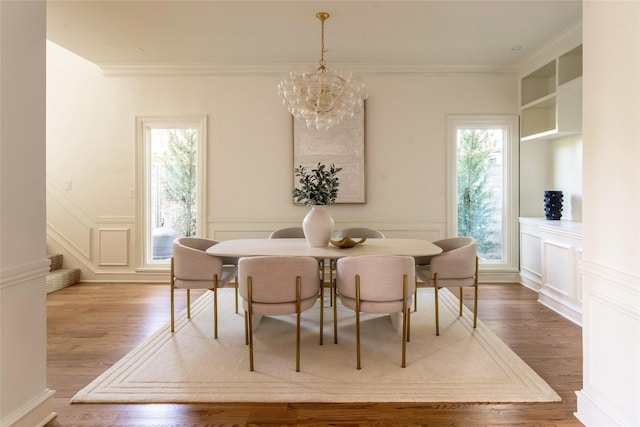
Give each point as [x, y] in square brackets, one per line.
[551, 98]
[550, 253]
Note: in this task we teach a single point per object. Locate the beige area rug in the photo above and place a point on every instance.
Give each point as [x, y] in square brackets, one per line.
[461, 365]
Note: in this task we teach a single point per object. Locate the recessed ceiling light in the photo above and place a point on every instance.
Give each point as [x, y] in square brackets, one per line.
[138, 49]
[516, 48]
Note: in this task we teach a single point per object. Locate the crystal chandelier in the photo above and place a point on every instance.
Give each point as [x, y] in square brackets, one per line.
[322, 98]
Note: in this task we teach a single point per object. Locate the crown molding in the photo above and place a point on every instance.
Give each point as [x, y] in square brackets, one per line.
[126, 70]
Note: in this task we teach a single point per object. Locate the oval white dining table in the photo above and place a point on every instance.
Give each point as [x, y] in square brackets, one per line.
[238, 248]
[299, 247]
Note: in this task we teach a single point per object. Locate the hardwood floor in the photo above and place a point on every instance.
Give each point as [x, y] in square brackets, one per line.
[92, 326]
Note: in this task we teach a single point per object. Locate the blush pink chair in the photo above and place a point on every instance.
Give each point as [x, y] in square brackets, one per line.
[276, 286]
[193, 268]
[456, 266]
[375, 284]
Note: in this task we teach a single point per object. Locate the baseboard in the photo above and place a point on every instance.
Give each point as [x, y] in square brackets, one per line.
[591, 414]
[35, 413]
[563, 308]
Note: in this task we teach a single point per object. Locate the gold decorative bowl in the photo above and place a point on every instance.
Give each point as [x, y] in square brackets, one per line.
[346, 242]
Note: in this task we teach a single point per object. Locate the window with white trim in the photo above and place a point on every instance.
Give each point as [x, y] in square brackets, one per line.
[483, 186]
[170, 184]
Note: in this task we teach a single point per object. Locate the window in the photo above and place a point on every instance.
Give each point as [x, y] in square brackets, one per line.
[483, 186]
[170, 184]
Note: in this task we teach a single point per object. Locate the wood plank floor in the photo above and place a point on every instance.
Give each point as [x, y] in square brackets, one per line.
[92, 326]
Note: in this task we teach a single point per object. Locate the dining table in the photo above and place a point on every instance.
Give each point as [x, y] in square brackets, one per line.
[238, 248]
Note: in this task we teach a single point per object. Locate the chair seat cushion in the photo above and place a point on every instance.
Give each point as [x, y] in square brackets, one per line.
[228, 274]
[424, 274]
[374, 306]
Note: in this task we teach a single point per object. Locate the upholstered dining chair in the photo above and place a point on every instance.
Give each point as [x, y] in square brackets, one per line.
[287, 232]
[354, 233]
[277, 286]
[297, 232]
[193, 268]
[375, 284]
[456, 266]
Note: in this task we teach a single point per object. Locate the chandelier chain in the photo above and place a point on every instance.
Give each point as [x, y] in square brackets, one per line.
[322, 62]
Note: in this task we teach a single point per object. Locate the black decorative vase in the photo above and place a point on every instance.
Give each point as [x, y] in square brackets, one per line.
[553, 204]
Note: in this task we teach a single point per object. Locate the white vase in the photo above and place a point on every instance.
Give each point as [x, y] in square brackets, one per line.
[317, 226]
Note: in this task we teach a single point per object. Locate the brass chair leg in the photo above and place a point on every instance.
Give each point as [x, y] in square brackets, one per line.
[188, 303]
[415, 297]
[215, 306]
[236, 294]
[405, 314]
[250, 313]
[436, 287]
[322, 313]
[246, 328]
[298, 286]
[461, 300]
[332, 300]
[172, 297]
[409, 324]
[358, 321]
[334, 292]
[475, 301]
[172, 308]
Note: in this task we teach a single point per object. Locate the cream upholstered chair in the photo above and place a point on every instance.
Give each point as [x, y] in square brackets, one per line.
[278, 285]
[354, 233]
[193, 268]
[287, 232]
[375, 284]
[456, 266]
[296, 232]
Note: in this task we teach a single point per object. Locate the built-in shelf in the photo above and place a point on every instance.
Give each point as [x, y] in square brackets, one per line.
[551, 98]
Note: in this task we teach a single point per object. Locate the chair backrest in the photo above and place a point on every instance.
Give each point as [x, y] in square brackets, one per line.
[457, 260]
[360, 232]
[191, 262]
[288, 232]
[381, 279]
[274, 282]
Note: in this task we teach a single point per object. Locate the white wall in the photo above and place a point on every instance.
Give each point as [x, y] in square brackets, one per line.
[91, 143]
[24, 397]
[611, 215]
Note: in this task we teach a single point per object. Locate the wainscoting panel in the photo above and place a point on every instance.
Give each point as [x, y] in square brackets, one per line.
[113, 246]
[225, 229]
[558, 265]
[531, 259]
[611, 323]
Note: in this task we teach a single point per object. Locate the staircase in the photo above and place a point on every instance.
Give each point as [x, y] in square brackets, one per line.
[59, 277]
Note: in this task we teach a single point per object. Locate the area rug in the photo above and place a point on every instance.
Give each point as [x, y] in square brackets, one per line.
[461, 365]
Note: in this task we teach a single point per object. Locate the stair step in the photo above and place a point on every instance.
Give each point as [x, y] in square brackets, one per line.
[56, 261]
[62, 277]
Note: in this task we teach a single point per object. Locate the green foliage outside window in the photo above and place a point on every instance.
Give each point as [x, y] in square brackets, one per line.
[475, 208]
[180, 179]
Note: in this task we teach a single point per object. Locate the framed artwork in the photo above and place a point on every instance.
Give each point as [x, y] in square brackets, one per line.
[343, 146]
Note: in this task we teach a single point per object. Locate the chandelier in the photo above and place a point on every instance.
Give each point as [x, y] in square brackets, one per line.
[321, 97]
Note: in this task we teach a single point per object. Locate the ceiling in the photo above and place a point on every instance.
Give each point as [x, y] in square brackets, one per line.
[447, 35]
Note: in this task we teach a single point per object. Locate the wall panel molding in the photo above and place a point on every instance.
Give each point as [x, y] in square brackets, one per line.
[232, 228]
[611, 304]
[113, 246]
